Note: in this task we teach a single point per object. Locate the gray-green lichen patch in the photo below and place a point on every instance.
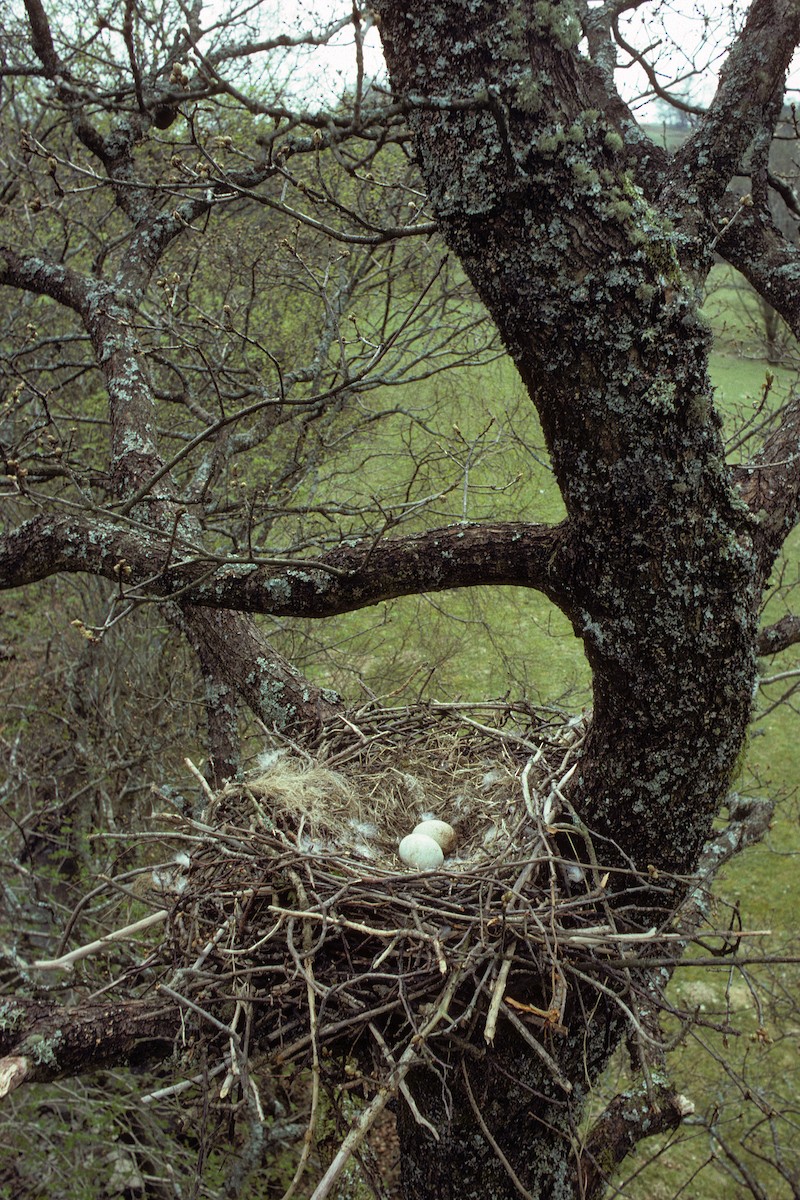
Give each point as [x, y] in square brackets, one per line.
[528, 95]
[218, 695]
[43, 1049]
[320, 581]
[559, 21]
[662, 396]
[238, 570]
[11, 1015]
[269, 696]
[278, 589]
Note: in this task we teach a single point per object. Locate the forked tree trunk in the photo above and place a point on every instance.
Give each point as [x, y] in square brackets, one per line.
[561, 229]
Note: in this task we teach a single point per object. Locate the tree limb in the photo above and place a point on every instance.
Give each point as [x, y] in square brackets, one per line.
[367, 572]
[34, 274]
[41, 1041]
[780, 636]
[42, 38]
[629, 1119]
[755, 246]
[755, 67]
[770, 486]
[246, 664]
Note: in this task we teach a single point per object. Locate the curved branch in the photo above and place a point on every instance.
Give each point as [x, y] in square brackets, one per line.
[34, 274]
[755, 246]
[245, 665]
[787, 193]
[42, 38]
[663, 93]
[105, 312]
[367, 571]
[627, 1120]
[770, 486]
[755, 69]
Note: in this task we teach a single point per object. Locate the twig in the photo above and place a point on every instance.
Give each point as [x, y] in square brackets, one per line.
[67, 961]
[176, 1089]
[538, 1049]
[404, 1088]
[308, 1138]
[498, 991]
[342, 923]
[201, 1012]
[200, 779]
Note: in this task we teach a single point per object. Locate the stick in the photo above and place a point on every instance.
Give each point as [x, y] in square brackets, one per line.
[404, 1088]
[497, 996]
[66, 961]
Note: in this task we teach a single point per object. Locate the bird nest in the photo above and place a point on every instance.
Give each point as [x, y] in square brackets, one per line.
[296, 894]
[295, 926]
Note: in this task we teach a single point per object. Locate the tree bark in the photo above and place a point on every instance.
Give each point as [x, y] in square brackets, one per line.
[572, 246]
[356, 574]
[41, 1041]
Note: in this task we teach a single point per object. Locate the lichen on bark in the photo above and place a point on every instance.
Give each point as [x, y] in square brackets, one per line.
[591, 271]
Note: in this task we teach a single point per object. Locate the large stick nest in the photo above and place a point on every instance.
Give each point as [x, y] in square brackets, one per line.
[297, 938]
[296, 897]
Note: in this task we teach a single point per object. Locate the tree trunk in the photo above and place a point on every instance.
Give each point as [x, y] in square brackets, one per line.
[504, 1121]
[558, 225]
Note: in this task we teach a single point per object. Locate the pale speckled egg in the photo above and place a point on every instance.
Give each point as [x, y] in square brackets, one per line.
[420, 851]
[443, 834]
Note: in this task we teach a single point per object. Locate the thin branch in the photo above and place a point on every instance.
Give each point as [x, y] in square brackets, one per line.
[67, 961]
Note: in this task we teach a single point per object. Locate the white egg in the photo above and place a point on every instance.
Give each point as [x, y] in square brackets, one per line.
[443, 834]
[418, 850]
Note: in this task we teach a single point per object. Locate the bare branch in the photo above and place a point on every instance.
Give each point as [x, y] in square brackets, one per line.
[35, 275]
[625, 1122]
[770, 485]
[708, 160]
[768, 260]
[42, 1041]
[365, 571]
[274, 690]
[42, 38]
